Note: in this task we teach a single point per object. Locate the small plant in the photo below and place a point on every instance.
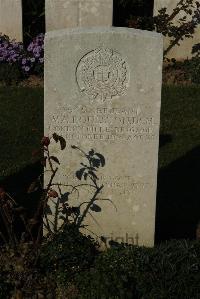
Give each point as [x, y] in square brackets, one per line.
[27, 255]
[33, 62]
[64, 212]
[189, 69]
[11, 53]
[17, 62]
[10, 50]
[52, 199]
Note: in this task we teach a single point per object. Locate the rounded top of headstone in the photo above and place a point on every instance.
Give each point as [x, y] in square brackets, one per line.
[102, 30]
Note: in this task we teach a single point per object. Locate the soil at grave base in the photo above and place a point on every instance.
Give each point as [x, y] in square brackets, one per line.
[32, 81]
[175, 76]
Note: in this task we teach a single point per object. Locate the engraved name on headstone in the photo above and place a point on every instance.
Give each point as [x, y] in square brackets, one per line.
[103, 92]
[78, 13]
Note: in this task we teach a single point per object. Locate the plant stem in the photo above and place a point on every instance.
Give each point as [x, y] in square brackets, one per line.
[91, 202]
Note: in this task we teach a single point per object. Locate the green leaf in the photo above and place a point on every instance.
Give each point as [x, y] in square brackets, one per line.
[85, 176]
[55, 137]
[96, 162]
[64, 197]
[91, 153]
[80, 172]
[62, 143]
[55, 159]
[102, 159]
[76, 210]
[48, 210]
[93, 175]
[95, 208]
[62, 140]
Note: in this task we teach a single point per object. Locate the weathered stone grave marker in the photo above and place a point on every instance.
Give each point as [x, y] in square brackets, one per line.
[82, 13]
[103, 92]
[11, 18]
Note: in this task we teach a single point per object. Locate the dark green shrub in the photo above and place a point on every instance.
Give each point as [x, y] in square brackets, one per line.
[69, 252]
[5, 286]
[187, 70]
[10, 73]
[194, 64]
[194, 70]
[112, 276]
[168, 271]
[18, 62]
[33, 19]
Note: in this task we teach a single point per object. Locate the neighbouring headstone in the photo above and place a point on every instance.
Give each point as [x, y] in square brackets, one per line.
[182, 51]
[82, 13]
[103, 92]
[11, 18]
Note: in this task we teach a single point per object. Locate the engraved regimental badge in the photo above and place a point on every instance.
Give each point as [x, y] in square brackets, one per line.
[102, 74]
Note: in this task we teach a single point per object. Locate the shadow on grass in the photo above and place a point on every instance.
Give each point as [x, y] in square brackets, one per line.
[178, 198]
[164, 139]
[17, 185]
[178, 195]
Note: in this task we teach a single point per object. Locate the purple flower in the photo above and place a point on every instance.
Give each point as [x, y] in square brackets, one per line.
[30, 47]
[13, 52]
[24, 61]
[27, 68]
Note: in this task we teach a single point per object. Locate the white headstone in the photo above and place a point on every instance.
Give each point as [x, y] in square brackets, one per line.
[103, 92]
[78, 13]
[11, 18]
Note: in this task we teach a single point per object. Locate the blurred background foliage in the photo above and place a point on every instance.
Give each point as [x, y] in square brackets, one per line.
[126, 12]
[33, 19]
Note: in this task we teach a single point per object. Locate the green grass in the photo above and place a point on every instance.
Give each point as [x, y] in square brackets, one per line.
[180, 122]
[21, 112]
[178, 192]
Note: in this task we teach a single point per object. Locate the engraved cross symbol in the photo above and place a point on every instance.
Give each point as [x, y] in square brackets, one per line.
[102, 74]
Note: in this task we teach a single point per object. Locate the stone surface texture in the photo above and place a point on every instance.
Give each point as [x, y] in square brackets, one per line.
[184, 50]
[11, 18]
[103, 92]
[78, 13]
